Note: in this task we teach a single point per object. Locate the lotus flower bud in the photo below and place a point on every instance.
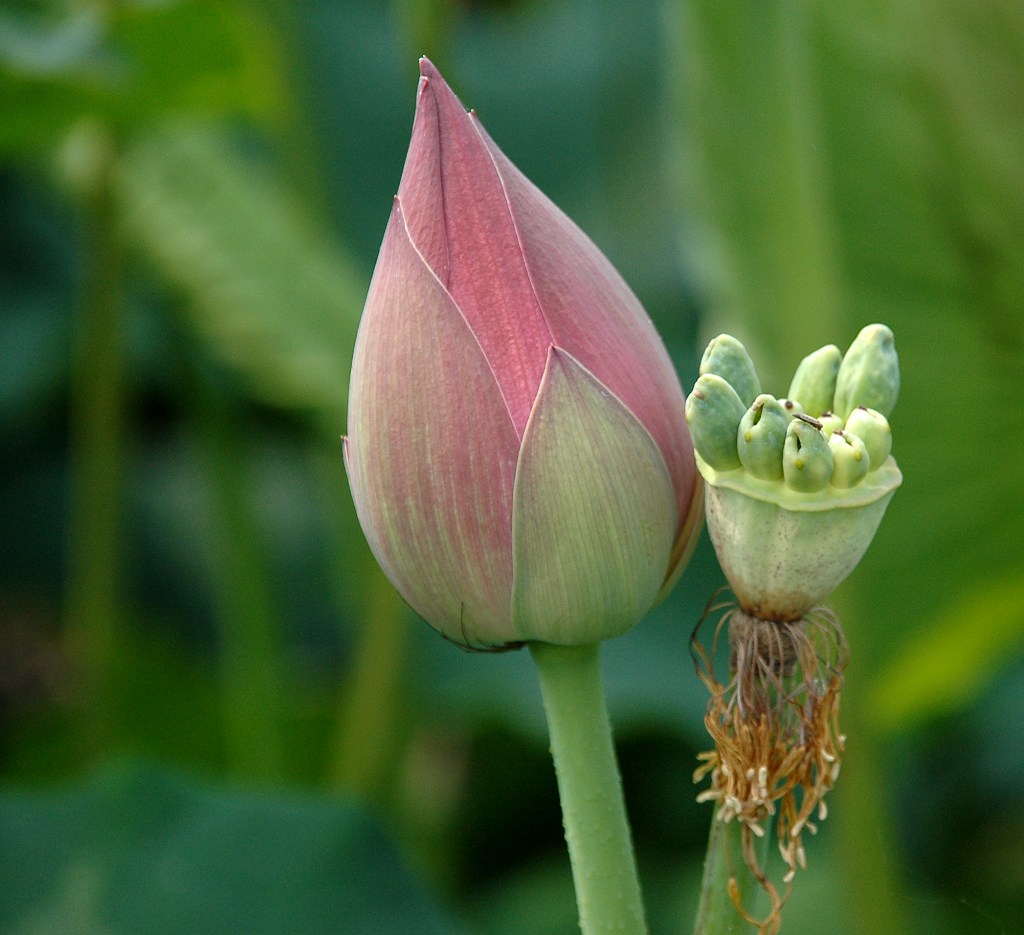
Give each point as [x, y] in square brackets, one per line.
[728, 358]
[807, 458]
[851, 459]
[713, 412]
[784, 534]
[873, 428]
[517, 449]
[761, 436]
[869, 374]
[815, 379]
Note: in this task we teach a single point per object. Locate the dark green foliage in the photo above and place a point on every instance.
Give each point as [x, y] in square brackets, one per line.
[181, 573]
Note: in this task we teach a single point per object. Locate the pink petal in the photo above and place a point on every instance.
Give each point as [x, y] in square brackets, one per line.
[593, 314]
[431, 451]
[459, 219]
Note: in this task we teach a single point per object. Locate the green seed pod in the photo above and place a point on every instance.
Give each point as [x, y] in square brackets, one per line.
[783, 556]
[850, 457]
[873, 428]
[792, 525]
[728, 358]
[807, 458]
[713, 412]
[815, 379]
[761, 435]
[869, 374]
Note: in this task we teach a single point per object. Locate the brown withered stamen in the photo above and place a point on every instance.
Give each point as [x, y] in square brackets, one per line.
[775, 727]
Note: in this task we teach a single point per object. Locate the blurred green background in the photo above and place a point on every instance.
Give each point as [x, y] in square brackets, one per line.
[215, 715]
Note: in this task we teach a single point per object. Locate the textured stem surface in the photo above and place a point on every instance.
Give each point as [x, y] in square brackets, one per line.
[593, 811]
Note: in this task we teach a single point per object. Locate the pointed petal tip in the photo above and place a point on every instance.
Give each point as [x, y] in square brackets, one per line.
[433, 82]
[428, 74]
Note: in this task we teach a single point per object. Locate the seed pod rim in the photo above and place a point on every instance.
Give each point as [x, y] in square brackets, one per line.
[871, 488]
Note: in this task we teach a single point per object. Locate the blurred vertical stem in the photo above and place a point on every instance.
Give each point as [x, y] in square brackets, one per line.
[94, 610]
[862, 810]
[366, 760]
[752, 126]
[716, 911]
[423, 26]
[370, 719]
[250, 650]
[593, 811]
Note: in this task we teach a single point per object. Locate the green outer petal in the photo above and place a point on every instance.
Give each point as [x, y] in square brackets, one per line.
[593, 514]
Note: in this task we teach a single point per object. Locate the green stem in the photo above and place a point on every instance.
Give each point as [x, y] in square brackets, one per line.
[94, 611]
[716, 911]
[752, 122]
[593, 812]
[867, 857]
[369, 723]
[247, 615]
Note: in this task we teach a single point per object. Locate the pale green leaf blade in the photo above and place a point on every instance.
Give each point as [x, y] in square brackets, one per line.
[265, 286]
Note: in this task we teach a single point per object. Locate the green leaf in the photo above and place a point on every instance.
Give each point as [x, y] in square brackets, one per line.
[140, 851]
[139, 64]
[951, 659]
[265, 287]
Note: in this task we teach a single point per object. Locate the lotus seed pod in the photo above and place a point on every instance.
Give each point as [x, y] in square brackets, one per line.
[761, 437]
[830, 423]
[869, 374]
[807, 457]
[850, 457]
[815, 379]
[782, 558]
[727, 357]
[713, 412]
[795, 519]
[873, 428]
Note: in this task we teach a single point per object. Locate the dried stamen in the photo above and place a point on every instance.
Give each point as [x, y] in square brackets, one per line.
[775, 729]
